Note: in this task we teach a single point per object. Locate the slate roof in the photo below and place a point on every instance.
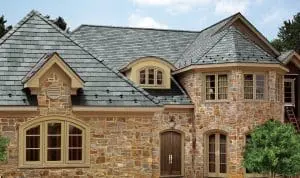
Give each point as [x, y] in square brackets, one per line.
[174, 95]
[120, 45]
[234, 47]
[35, 36]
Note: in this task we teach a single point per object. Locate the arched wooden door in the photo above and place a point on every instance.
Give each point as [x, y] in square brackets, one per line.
[170, 153]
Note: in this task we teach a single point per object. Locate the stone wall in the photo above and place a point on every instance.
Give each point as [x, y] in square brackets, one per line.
[235, 116]
[122, 144]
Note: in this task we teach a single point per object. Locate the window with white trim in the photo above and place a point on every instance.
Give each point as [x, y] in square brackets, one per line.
[151, 76]
[53, 142]
[216, 86]
[254, 86]
[289, 91]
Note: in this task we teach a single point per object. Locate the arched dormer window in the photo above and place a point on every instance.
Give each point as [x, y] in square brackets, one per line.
[53, 142]
[151, 76]
[150, 72]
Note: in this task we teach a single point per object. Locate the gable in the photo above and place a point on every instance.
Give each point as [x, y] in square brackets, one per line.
[33, 36]
[46, 63]
[244, 26]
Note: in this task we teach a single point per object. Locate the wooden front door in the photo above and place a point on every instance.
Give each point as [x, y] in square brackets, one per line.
[170, 153]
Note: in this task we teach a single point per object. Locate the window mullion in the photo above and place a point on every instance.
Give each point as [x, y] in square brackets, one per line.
[44, 142]
[63, 142]
[147, 76]
[155, 76]
[217, 87]
[254, 86]
[217, 153]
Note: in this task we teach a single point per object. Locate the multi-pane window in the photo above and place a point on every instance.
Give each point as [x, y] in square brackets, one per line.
[289, 91]
[254, 86]
[33, 146]
[151, 77]
[53, 142]
[216, 87]
[217, 154]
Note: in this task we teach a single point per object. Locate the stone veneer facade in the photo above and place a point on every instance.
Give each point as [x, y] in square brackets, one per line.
[235, 116]
[126, 144]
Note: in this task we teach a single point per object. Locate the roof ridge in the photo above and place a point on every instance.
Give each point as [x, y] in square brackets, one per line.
[90, 52]
[16, 27]
[212, 47]
[138, 28]
[190, 44]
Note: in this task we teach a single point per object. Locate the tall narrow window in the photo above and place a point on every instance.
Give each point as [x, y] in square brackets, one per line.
[54, 143]
[212, 153]
[216, 87]
[222, 87]
[142, 77]
[248, 86]
[217, 155]
[33, 145]
[254, 86]
[75, 143]
[159, 77]
[210, 87]
[260, 86]
[171, 154]
[223, 153]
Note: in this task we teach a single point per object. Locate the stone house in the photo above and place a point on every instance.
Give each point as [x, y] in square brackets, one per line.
[132, 102]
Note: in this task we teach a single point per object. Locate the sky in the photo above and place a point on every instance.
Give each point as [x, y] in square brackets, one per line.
[266, 15]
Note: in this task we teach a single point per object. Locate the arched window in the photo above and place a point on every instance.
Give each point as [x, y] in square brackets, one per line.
[54, 142]
[151, 76]
[171, 153]
[217, 154]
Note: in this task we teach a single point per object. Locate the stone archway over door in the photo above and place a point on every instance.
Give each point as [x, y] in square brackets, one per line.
[170, 153]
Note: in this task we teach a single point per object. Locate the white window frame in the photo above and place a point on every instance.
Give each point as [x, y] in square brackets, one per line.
[292, 81]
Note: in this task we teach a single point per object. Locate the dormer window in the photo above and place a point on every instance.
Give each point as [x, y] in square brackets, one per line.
[150, 72]
[151, 76]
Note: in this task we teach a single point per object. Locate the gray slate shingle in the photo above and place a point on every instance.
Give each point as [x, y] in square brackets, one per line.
[35, 36]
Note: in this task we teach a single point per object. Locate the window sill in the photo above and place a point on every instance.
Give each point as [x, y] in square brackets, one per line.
[172, 176]
[55, 166]
[217, 101]
[154, 86]
[217, 175]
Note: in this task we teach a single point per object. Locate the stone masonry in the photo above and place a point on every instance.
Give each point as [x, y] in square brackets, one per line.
[235, 116]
